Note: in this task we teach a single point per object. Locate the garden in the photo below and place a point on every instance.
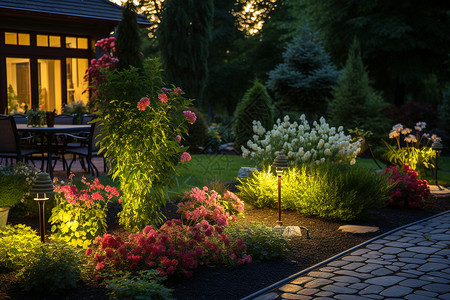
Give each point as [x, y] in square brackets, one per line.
[195, 205]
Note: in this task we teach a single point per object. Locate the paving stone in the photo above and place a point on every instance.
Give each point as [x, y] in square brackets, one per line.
[412, 260]
[421, 256]
[318, 283]
[407, 275]
[391, 250]
[269, 296]
[354, 274]
[328, 269]
[339, 289]
[371, 289]
[396, 291]
[436, 279]
[393, 237]
[385, 280]
[373, 255]
[374, 296]
[399, 264]
[415, 227]
[378, 261]
[349, 297]
[353, 266]
[354, 258]
[381, 272]
[432, 295]
[437, 288]
[440, 237]
[302, 280]
[338, 263]
[290, 288]
[341, 283]
[440, 230]
[445, 296]
[406, 254]
[308, 291]
[347, 279]
[321, 274]
[439, 274]
[295, 296]
[416, 297]
[425, 243]
[414, 272]
[444, 252]
[324, 298]
[410, 267]
[368, 268]
[399, 244]
[360, 252]
[439, 260]
[424, 250]
[404, 239]
[413, 283]
[393, 268]
[324, 294]
[374, 246]
[388, 257]
[432, 267]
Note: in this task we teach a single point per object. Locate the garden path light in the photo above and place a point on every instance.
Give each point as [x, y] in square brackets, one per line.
[42, 186]
[280, 163]
[438, 147]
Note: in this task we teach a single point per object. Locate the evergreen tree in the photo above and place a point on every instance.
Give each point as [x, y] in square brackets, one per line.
[355, 104]
[184, 36]
[304, 80]
[128, 39]
[255, 105]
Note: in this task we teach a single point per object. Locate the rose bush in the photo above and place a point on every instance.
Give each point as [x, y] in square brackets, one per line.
[301, 143]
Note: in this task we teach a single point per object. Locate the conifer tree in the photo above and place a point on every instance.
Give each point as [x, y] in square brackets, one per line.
[184, 36]
[304, 80]
[128, 39]
[355, 104]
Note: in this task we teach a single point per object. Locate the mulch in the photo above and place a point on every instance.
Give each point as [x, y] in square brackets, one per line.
[235, 282]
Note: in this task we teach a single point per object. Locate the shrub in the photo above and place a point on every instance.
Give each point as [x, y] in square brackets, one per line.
[52, 268]
[255, 105]
[210, 206]
[301, 143]
[15, 183]
[144, 285]
[329, 191]
[409, 191]
[413, 150]
[80, 214]
[197, 132]
[139, 138]
[263, 242]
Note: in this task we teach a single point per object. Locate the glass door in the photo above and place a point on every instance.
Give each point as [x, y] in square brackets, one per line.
[18, 84]
[49, 84]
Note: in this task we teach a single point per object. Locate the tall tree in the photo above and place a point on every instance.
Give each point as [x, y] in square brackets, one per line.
[184, 36]
[403, 41]
[304, 80]
[128, 39]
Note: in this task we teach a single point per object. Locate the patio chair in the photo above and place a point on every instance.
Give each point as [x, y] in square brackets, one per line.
[10, 142]
[65, 119]
[89, 151]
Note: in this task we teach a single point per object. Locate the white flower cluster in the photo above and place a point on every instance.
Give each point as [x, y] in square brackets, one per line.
[301, 143]
[21, 170]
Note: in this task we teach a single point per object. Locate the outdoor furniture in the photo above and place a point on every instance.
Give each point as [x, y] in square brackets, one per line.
[65, 119]
[10, 141]
[87, 150]
[20, 119]
[48, 132]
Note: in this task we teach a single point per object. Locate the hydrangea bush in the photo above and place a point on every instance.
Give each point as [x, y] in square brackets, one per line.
[301, 143]
[409, 191]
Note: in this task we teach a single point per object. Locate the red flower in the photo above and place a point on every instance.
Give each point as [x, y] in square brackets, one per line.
[163, 98]
[190, 116]
[143, 103]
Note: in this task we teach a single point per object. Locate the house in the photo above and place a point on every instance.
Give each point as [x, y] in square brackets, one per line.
[45, 48]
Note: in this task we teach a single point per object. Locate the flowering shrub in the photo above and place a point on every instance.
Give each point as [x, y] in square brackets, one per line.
[174, 248]
[210, 206]
[15, 183]
[141, 122]
[301, 143]
[97, 66]
[412, 150]
[409, 191]
[80, 214]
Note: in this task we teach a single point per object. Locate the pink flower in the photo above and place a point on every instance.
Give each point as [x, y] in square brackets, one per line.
[178, 91]
[143, 103]
[190, 116]
[185, 157]
[88, 251]
[178, 138]
[163, 98]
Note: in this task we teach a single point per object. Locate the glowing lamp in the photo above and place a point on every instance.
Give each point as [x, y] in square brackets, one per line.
[42, 186]
[280, 163]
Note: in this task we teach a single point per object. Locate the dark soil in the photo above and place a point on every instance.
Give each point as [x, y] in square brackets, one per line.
[222, 282]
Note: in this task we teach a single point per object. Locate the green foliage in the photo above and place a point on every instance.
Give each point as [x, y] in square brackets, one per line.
[139, 139]
[304, 80]
[255, 105]
[145, 285]
[15, 183]
[76, 107]
[52, 268]
[184, 36]
[355, 103]
[18, 243]
[197, 132]
[36, 117]
[263, 242]
[329, 191]
[128, 39]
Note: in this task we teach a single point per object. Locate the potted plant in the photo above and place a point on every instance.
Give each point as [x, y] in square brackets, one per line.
[15, 184]
[36, 117]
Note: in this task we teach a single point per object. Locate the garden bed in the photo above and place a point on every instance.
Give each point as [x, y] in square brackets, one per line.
[236, 282]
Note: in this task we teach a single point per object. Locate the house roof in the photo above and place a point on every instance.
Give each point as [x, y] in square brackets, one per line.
[101, 10]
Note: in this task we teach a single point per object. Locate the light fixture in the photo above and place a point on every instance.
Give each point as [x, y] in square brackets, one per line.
[42, 186]
[438, 147]
[280, 163]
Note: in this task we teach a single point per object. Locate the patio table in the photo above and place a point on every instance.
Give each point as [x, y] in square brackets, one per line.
[49, 132]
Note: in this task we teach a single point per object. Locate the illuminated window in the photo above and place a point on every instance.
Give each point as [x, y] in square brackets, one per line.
[82, 43]
[55, 41]
[18, 84]
[76, 43]
[14, 38]
[71, 42]
[76, 84]
[42, 40]
[49, 81]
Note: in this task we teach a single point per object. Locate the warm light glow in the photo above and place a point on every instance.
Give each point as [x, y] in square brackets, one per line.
[253, 14]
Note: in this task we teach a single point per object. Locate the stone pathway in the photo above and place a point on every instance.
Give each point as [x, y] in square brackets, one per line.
[412, 263]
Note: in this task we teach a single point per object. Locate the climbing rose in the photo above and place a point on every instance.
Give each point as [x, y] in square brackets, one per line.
[190, 116]
[143, 103]
[185, 157]
[163, 98]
